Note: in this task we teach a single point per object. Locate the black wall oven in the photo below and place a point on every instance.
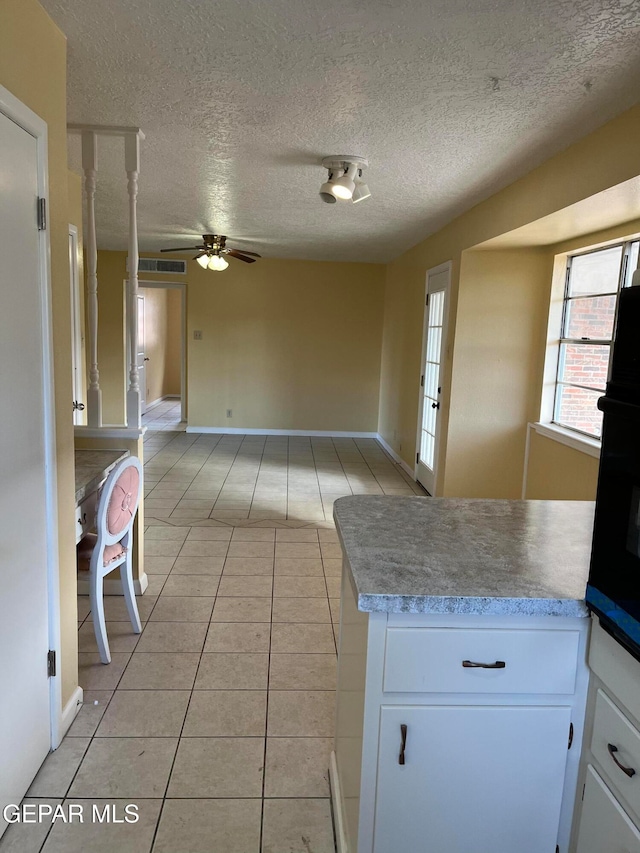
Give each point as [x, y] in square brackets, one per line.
[613, 591]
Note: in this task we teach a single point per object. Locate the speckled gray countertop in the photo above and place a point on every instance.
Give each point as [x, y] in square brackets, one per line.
[92, 466]
[453, 555]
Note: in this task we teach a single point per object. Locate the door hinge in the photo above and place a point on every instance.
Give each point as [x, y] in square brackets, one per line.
[51, 663]
[427, 300]
[570, 735]
[42, 214]
[417, 457]
[422, 381]
[557, 848]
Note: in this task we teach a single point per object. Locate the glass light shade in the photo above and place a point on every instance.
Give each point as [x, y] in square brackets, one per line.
[361, 192]
[203, 260]
[218, 263]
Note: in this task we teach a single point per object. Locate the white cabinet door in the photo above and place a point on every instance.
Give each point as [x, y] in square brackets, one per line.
[604, 826]
[476, 779]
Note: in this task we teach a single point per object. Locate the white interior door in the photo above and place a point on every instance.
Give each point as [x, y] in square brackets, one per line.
[26, 510]
[76, 330]
[433, 347]
[142, 373]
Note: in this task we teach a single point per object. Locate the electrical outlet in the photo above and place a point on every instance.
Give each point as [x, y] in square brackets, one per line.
[229, 413]
[197, 335]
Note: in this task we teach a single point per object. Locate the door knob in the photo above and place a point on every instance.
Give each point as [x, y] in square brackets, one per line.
[78, 407]
[146, 359]
[435, 405]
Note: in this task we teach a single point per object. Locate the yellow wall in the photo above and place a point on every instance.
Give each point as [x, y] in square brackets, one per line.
[285, 345]
[33, 68]
[172, 371]
[112, 341]
[162, 341]
[498, 369]
[558, 472]
[601, 160]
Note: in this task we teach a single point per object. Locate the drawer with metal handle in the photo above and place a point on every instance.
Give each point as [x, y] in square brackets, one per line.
[453, 660]
[615, 744]
[85, 516]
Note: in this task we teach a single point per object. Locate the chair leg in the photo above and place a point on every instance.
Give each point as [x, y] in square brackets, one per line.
[96, 598]
[126, 573]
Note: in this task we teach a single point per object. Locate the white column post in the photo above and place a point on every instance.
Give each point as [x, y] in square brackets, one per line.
[90, 167]
[132, 166]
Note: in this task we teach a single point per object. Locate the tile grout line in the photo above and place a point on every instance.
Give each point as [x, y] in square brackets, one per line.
[266, 721]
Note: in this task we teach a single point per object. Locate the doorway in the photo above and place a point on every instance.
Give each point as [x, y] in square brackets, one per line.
[79, 416]
[29, 603]
[433, 347]
[162, 316]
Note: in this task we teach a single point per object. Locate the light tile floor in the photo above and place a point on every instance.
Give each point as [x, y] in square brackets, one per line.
[217, 720]
[164, 416]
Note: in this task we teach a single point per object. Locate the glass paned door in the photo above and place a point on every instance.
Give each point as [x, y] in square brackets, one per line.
[430, 380]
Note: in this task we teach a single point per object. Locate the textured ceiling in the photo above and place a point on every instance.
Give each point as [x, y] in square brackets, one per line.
[240, 100]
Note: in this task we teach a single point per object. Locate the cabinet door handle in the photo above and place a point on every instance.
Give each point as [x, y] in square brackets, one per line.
[612, 752]
[471, 664]
[403, 742]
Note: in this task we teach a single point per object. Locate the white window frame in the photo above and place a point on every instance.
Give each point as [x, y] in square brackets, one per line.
[546, 425]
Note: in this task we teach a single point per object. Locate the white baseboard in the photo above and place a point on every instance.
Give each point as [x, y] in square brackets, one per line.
[311, 433]
[69, 712]
[113, 586]
[336, 802]
[395, 456]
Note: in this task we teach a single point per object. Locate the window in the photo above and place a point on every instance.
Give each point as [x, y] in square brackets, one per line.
[593, 282]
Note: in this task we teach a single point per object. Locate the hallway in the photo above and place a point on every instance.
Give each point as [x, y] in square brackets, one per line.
[217, 720]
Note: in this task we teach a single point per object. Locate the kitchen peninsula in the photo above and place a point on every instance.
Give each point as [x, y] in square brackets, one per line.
[462, 674]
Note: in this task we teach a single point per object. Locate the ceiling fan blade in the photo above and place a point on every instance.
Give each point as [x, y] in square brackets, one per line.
[182, 249]
[245, 252]
[239, 256]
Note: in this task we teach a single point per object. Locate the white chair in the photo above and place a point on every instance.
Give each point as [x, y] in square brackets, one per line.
[111, 546]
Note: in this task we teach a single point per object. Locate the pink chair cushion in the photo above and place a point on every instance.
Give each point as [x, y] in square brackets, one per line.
[124, 500]
[88, 543]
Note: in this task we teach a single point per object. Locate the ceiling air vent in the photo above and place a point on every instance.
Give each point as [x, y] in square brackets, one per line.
[161, 265]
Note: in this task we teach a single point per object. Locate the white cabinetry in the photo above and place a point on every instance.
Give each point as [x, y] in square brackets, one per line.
[485, 708]
[604, 827]
[475, 778]
[608, 813]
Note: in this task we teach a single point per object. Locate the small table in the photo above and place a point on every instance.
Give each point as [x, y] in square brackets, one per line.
[92, 469]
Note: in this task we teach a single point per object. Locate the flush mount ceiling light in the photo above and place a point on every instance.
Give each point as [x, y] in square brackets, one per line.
[344, 181]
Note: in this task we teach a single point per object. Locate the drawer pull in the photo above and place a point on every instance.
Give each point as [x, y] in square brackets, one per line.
[471, 664]
[403, 742]
[612, 752]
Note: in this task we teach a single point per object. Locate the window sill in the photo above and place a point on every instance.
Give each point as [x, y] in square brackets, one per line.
[590, 446]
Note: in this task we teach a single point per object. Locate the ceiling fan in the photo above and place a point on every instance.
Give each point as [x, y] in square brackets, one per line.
[210, 253]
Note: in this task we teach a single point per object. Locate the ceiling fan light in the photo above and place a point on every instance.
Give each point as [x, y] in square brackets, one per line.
[218, 263]
[203, 260]
[361, 192]
[326, 192]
